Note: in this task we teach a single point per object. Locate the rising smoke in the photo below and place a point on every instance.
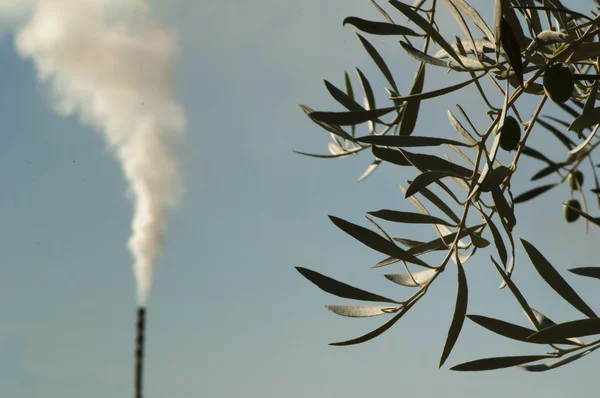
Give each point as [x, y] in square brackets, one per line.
[110, 62]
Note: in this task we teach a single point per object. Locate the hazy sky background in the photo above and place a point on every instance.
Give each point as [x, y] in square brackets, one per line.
[229, 316]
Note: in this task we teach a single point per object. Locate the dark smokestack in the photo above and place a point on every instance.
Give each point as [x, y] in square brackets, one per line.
[139, 351]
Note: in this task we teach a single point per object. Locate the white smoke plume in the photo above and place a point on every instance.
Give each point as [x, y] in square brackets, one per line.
[110, 62]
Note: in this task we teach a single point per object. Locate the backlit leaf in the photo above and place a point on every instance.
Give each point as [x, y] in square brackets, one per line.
[592, 272]
[373, 334]
[460, 310]
[578, 328]
[359, 311]
[378, 61]
[553, 278]
[424, 179]
[351, 117]
[404, 141]
[341, 289]
[497, 363]
[379, 28]
[426, 26]
[407, 217]
[415, 279]
[375, 241]
[532, 193]
[556, 364]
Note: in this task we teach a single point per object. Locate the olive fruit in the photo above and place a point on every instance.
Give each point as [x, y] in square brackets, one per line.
[559, 83]
[510, 133]
[575, 180]
[570, 214]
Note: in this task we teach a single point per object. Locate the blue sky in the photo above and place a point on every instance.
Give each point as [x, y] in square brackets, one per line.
[229, 315]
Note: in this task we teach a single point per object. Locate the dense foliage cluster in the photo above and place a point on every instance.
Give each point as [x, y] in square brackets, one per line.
[535, 49]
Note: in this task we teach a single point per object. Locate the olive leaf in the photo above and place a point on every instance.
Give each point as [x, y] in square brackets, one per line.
[414, 279]
[407, 217]
[351, 117]
[373, 334]
[378, 61]
[375, 241]
[556, 282]
[359, 311]
[341, 289]
[507, 329]
[556, 364]
[460, 310]
[561, 331]
[379, 28]
[497, 363]
[404, 141]
[592, 272]
[426, 26]
[511, 47]
[532, 193]
[423, 180]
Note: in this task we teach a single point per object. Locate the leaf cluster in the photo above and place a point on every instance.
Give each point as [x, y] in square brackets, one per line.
[526, 38]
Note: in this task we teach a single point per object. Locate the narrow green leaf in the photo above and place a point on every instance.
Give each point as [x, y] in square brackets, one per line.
[511, 47]
[375, 241]
[382, 11]
[329, 127]
[557, 133]
[529, 151]
[360, 311]
[411, 111]
[390, 155]
[378, 61]
[515, 291]
[578, 328]
[556, 282]
[426, 26]
[433, 163]
[414, 279]
[344, 99]
[407, 217]
[461, 130]
[546, 171]
[494, 178]
[460, 310]
[434, 199]
[437, 93]
[350, 118]
[442, 242]
[482, 46]
[556, 364]
[372, 167]
[474, 16]
[592, 272]
[407, 242]
[405, 141]
[584, 143]
[499, 242]
[331, 156]
[349, 89]
[422, 57]
[532, 193]
[340, 289]
[373, 334]
[425, 179]
[497, 363]
[503, 208]
[369, 96]
[507, 329]
[379, 28]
